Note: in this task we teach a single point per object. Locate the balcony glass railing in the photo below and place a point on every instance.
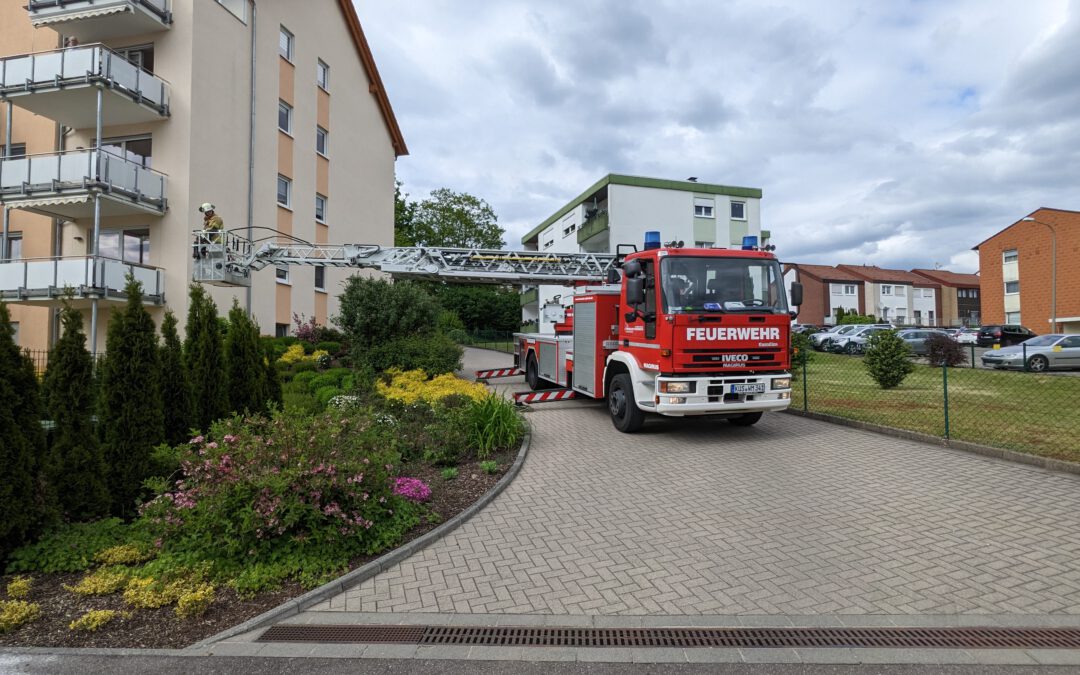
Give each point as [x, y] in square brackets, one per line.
[87, 276]
[34, 176]
[64, 68]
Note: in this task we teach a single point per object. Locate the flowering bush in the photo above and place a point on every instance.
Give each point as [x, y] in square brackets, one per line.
[412, 489]
[413, 385]
[279, 497]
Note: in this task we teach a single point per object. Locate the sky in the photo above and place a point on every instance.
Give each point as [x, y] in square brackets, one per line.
[898, 133]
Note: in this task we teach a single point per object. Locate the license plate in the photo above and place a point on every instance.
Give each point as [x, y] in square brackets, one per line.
[748, 388]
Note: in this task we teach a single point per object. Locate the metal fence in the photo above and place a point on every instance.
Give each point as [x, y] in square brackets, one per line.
[1029, 412]
[498, 340]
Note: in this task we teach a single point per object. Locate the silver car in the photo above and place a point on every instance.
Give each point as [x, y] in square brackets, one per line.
[822, 339]
[915, 338]
[1045, 352]
[856, 342]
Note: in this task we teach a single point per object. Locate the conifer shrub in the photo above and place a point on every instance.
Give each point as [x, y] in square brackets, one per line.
[887, 359]
[175, 387]
[204, 360]
[244, 370]
[24, 507]
[131, 411]
[76, 470]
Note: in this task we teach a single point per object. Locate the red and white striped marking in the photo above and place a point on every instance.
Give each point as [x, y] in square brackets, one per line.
[497, 372]
[522, 397]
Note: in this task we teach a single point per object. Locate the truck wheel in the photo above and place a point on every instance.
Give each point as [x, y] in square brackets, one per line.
[625, 414]
[745, 420]
[532, 373]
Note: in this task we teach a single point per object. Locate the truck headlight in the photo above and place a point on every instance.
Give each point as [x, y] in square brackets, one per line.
[677, 387]
[781, 383]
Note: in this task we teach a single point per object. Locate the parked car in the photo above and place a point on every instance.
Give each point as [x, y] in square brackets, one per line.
[807, 328]
[1004, 335]
[967, 336]
[855, 342]
[915, 338]
[1044, 352]
[820, 340]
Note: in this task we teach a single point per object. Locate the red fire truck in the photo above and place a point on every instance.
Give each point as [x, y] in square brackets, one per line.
[667, 330]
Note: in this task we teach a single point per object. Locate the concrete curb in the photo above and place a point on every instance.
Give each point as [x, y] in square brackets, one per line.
[362, 574]
[985, 450]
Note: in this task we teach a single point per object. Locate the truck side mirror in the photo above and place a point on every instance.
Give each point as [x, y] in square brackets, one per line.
[796, 294]
[635, 290]
[631, 268]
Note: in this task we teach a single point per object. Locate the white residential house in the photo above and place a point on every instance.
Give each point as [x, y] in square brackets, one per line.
[620, 209]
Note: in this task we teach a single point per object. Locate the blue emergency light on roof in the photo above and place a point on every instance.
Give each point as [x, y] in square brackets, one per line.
[749, 242]
[652, 239]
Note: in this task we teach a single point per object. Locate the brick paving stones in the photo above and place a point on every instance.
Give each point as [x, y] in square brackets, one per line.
[790, 517]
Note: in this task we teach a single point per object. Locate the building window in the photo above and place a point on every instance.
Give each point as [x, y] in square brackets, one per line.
[320, 278]
[281, 330]
[900, 290]
[1010, 256]
[17, 150]
[139, 55]
[886, 290]
[281, 275]
[285, 44]
[131, 246]
[284, 117]
[703, 208]
[322, 75]
[548, 244]
[738, 210]
[320, 208]
[1012, 287]
[849, 289]
[703, 244]
[1012, 317]
[137, 149]
[322, 140]
[569, 229]
[14, 246]
[284, 191]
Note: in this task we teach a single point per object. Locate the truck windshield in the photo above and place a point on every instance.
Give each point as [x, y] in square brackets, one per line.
[705, 284]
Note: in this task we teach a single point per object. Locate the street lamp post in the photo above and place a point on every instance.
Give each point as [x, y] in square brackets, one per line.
[1053, 270]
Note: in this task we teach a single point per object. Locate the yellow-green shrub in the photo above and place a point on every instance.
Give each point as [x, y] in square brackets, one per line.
[123, 555]
[94, 619]
[102, 581]
[14, 613]
[195, 601]
[19, 588]
[412, 385]
[148, 593]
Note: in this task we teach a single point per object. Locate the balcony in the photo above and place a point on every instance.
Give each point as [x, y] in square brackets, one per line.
[63, 185]
[44, 280]
[592, 227]
[95, 20]
[530, 297]
[62, 85]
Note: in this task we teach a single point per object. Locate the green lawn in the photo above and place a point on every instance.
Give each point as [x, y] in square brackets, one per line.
[1036, 414]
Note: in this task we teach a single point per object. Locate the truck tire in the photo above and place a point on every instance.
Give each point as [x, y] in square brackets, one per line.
[625, 414]
[745, 420]
[532, 372]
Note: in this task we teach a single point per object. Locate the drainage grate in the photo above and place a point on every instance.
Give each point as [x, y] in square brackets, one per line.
[745, 638]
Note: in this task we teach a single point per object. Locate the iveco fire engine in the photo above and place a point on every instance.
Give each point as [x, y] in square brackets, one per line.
[667, 330]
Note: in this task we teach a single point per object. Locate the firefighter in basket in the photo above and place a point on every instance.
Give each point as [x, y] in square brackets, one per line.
[212, 224]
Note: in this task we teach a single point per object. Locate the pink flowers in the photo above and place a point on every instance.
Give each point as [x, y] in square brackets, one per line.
[412, 489]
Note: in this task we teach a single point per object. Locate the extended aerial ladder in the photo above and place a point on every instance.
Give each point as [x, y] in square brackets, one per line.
[227, 259]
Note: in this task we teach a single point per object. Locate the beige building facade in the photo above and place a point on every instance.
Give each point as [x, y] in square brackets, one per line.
[272, 111]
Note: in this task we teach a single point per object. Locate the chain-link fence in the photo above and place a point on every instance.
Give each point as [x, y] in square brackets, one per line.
[499, 340]
[1030, 412]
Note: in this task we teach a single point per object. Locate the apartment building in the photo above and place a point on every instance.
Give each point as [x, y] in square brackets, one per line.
[826, 290]
[1029, 275]
[619, 209]
[125, 115]
[961, 300]
[899, 297]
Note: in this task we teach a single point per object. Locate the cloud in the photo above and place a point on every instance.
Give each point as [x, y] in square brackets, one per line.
[898, 134]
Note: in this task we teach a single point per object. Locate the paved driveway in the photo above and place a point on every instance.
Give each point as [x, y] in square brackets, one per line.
[792, 516]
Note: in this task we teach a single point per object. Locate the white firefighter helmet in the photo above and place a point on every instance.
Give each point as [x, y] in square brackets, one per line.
[206, 207]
